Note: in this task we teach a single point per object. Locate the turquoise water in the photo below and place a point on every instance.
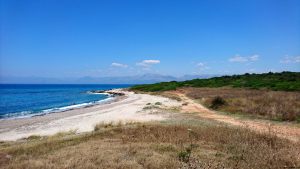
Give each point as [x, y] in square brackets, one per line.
[19, 101]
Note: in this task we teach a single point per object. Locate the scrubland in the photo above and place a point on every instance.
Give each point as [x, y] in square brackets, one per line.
[283, 81]
[184, 141]
[275, 105]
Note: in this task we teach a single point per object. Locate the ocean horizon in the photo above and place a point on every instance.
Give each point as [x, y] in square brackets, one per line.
[28, 100]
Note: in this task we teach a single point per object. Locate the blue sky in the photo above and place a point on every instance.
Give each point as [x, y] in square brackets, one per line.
[74, 38]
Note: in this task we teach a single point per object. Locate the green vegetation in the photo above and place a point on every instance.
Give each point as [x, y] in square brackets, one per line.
[284, 81]
[158, 103]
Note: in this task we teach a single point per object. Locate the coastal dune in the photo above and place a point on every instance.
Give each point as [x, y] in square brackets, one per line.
[127, 108]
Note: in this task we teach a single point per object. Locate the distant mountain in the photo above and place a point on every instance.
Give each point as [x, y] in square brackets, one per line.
[29, 80]
[138, 79]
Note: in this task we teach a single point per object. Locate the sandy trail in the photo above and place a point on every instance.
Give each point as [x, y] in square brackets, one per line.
[282, 130]
[129, 108]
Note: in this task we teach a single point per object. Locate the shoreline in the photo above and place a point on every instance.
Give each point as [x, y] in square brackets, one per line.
[8, 123]
[112, 96]
[125, 107]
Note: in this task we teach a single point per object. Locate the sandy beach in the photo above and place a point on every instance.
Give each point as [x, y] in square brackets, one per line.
[123, 109]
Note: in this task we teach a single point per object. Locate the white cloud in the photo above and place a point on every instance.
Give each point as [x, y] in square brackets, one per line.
[151, 61]
[253, 58]
[114, 64]
[202, 66]
[290, 59]
[147, 63]
[238, 58]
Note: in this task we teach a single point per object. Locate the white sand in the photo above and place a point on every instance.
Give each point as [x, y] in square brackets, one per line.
[130, 108]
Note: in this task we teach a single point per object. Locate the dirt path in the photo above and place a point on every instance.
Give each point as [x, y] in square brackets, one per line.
[282, 130]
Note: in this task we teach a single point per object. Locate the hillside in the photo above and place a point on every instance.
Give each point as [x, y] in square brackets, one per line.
[284, 81]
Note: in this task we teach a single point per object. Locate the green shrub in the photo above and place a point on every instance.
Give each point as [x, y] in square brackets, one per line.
[284, 81]
[34, 137]
[185, 155]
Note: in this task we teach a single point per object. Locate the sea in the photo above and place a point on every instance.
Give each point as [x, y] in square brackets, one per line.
[28, 100]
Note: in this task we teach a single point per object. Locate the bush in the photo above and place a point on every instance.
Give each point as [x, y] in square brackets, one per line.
[217, 102]
[184, 156]
[34, 137]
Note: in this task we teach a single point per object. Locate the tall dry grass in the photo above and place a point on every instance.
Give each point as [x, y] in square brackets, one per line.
[277, 105]
[154, 146]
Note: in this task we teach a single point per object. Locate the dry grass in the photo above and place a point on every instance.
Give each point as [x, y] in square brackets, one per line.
[275, 105]
[168, 95]
[155, 145]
